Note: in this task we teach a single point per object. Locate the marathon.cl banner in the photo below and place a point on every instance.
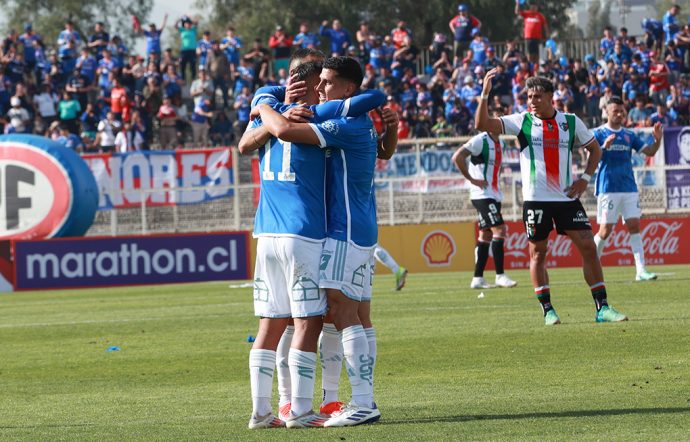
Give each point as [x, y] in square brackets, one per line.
[677, 151]
[125, 178]
[103, 262]
[662, 237]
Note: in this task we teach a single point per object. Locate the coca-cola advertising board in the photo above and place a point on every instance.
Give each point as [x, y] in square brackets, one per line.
[663, 244]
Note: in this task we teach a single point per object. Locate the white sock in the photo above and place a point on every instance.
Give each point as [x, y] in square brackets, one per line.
[261, 366]
[282, 369]
[331, 349]
[303, 374]
[638, 251]
[386, 259]
[371, 339]
[600, 243]
[358, 363]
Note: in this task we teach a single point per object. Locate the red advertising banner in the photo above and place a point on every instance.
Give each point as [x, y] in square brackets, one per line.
[663, 244]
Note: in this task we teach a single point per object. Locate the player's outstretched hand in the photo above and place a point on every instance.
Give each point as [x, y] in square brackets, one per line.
[608, 141]
[576, 189]
[488, 80]
[298, 114]
[295, 90]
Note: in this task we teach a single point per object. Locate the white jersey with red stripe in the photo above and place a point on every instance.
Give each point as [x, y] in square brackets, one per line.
[485, 164]
[546, 151]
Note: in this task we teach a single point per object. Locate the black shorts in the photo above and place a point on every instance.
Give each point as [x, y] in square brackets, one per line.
[489, 213]
[540, 216]
[532, 46]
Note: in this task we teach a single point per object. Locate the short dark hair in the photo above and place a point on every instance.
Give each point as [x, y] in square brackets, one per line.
[615, 100]
[306, 70]
[302, 53]
[540, 84]
[347, 68]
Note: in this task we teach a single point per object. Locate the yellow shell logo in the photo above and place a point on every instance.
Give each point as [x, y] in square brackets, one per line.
[438, 248]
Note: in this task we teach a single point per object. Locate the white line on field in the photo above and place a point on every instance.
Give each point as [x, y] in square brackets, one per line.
[109, 321]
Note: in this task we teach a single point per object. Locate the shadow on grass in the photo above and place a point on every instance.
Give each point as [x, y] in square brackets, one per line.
[537, 415]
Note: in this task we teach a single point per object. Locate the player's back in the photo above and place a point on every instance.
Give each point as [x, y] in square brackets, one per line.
[351, 160]
[292, 201]
[615, 172]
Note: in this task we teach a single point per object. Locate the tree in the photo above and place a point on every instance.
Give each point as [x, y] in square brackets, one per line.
[599, 18]
[48, 16]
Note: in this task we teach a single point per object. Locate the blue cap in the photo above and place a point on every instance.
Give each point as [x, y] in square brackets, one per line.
[563, 61]
[462, 7]
[589, 57]
[475, 31]
[27, 27]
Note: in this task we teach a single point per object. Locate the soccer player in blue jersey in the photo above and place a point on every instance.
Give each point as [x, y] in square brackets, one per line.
[301, 169]
[616, 189]
[351, 220]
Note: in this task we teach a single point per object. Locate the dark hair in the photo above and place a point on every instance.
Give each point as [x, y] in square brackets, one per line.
[306, 70]
[615, 100]
[347, 68]
[540, 84]
[302, 53]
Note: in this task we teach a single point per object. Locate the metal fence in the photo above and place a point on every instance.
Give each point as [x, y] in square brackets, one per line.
[401, 200]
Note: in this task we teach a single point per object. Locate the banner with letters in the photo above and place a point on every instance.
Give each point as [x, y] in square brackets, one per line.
[662, 239]
[133, 260]
[124, 179]
[428, 164]
[677, 151]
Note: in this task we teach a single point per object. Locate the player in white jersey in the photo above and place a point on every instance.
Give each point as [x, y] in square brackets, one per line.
[485, 154]
[352, 229]
[551, 196]
[616, 188]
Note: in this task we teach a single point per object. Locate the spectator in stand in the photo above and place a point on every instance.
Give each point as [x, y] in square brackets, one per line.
[281, 44]
[242, 106]
[654, 33]
[18, 116]
[187, 29]
[670, 23]
[305, 39]
[201, 88]
[203, 46]
[639, 115]
[79, 86]
[89, 124]
[45, 103]
[663, 116]
[69, 111]
[27, 40]
[219, 69]
[461, 26]
[128, 139]
[339, 36]
[470, 93]
[221, 133]
[364, 39]
[70, 140]
[87, 65]
[139, 126]
[120, 105]
[673, 56]
[535, 29]
[153, 40]
[98, 41]
[172, 83]
[231, 45]
[677, 104]
[683, 43]
[257, 60]
[400, 35]
[607, 41]
[68, 41]
[106, 66]
[200, 122]
[167, 117]
[107, 129]
[658, 80]
[478, 45]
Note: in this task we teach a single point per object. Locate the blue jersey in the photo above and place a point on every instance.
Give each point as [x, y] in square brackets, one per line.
[153, 42]
[615, 168]
[351, 159]
[296, 172]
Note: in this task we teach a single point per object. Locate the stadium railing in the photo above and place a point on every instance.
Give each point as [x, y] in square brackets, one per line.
[416, 186]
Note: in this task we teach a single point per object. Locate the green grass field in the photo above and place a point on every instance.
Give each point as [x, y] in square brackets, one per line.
[451, 366]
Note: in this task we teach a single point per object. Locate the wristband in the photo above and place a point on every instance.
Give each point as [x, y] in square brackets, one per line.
[585, 176]
[485, 97]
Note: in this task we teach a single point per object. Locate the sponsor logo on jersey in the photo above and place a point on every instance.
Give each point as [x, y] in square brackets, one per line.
[331, 127]
[564, 125]
[438, 248]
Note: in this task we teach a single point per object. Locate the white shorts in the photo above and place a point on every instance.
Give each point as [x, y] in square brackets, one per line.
[347, 268]
[286, 278]
[610, 206]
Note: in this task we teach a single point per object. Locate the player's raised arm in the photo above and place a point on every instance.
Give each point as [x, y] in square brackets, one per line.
[651, 149]
[389, 143]
[281, 127]
[351, 107]
[483, 121]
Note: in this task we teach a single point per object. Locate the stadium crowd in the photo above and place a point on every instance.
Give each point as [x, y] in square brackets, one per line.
[92, 93]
